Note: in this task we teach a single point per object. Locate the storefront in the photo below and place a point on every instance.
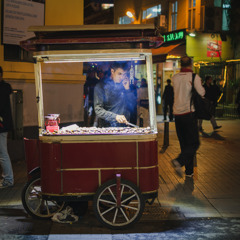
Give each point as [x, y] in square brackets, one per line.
[166, 59]
[213, 56]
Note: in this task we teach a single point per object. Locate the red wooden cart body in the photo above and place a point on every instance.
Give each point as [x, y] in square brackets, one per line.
[79, 168]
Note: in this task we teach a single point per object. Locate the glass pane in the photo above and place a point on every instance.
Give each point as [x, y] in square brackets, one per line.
[189, 19]
[144, 14]
[125, 20]
[194, 3]
[176, 6]
[189, 3]
[111, 89]
[217, 3]
[227, 2]
[175, 21]
[152, 12]
[193, 19]
[225, 26]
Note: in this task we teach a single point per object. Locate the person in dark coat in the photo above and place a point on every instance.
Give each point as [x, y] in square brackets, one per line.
[238, 102]
[168, 101]
[6, 125]
[216, 94]
[113, 99]
[89, 113]
[212, 96]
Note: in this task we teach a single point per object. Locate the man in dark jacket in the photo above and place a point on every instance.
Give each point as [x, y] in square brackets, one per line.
[113, 99]
[5, 126]
[168, 101]
[212, 96]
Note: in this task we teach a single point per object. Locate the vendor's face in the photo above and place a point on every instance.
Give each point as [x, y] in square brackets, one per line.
[118, 75]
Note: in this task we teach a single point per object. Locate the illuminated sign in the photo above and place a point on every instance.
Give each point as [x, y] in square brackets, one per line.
[174, 36]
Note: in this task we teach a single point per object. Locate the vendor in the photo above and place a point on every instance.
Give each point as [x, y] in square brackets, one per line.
[113, 100]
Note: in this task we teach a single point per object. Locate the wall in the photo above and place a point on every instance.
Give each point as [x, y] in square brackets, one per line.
[197, 47]
[56, 76]
[62, 12]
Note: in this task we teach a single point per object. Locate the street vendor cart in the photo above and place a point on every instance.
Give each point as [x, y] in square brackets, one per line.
[115, 168]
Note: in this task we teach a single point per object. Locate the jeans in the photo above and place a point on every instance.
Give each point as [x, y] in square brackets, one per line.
[5, 161]
[212, 120]
[168, 107]
[187, 132]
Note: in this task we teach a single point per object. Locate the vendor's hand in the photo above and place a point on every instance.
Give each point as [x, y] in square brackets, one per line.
[126, 83]
[121, 119]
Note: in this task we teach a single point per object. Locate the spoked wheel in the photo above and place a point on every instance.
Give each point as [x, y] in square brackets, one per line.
[118, 210]
[33, 202]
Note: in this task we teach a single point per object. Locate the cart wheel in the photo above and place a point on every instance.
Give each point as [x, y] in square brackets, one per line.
[129, 210]
[33, 202]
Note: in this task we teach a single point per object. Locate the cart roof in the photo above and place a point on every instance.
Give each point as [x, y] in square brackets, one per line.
[89, 37]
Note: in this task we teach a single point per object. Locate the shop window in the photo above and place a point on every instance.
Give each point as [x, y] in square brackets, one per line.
[191, 14]
[174, 15]
[125, 20]
[151, 12]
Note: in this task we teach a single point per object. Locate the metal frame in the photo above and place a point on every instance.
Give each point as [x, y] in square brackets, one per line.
[94, 56]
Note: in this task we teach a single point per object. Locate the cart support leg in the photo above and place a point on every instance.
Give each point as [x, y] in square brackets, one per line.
[118, 177]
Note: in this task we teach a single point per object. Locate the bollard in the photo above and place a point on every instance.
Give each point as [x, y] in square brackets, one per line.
[166, 134]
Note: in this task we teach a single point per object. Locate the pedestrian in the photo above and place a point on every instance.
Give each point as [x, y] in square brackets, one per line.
[185, 119]
[6, 125]
[216, 93]
[113, 99]
[89, 113]
[212, 92]
[168, 101]
[143, 104]
[238, 102]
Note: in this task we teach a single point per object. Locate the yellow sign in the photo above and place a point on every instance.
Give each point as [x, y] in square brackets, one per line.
[209, 47]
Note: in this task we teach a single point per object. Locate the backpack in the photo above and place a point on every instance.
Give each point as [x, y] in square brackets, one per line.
[203, 107]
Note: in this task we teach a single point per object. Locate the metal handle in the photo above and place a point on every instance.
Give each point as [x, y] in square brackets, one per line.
[132, 125]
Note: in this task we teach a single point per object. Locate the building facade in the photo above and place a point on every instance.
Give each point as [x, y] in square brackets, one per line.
[197, 28]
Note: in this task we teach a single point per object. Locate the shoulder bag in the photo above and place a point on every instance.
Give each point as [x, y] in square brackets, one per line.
[203, 107]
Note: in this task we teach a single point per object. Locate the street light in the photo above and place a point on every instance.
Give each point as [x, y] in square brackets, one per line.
[129, 14]
[192, 34]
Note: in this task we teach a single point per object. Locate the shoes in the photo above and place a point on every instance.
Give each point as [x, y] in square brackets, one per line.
[217, 127]
[4, 184]
[177, 167]
[189, 175]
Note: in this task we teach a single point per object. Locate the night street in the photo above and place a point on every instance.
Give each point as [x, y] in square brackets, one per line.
[119, 120]
[186, 211]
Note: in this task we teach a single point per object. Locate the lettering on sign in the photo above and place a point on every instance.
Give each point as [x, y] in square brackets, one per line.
[174, 36]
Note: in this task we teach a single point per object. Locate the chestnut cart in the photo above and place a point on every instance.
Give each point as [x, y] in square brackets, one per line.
[116, 171]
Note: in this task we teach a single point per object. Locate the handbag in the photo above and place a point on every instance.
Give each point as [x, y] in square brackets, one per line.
[203, 107]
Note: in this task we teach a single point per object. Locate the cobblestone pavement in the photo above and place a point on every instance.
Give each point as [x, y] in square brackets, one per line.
[214, 191]
[205, 207]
